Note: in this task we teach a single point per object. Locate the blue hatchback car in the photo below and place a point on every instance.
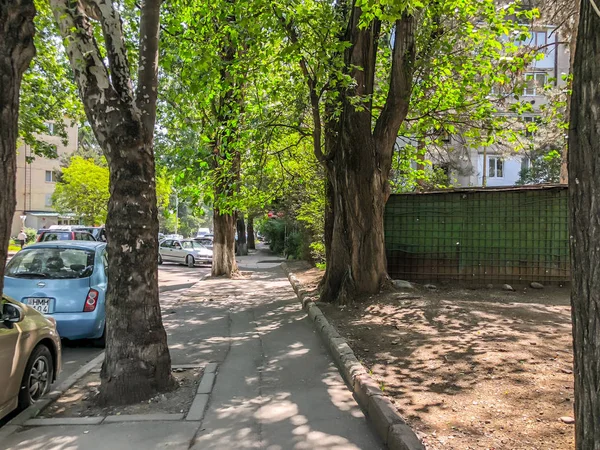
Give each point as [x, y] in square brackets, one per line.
[65, 280]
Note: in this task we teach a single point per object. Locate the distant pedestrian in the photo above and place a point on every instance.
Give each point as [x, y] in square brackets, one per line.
[22, 238]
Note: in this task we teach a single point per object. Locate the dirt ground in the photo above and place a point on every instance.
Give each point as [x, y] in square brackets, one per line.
[468, 369]
[80, 399]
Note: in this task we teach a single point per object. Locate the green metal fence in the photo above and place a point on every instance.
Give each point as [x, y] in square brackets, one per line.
[479, 236]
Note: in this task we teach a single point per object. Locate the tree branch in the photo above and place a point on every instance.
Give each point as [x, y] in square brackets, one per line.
[146, 92]
[363, 54]
[112, 29]
[398, 98]
[315, 97]
[89, 70]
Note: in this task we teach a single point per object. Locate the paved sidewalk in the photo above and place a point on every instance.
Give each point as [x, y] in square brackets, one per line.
[276, 386]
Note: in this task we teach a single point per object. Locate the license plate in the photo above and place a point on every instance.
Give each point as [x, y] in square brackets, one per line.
[40, 304]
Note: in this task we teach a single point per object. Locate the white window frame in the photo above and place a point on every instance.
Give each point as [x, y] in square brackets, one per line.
[48, 200]
[537, 85]
[531, 119]
[50, 128]
[539, 38]
[493, 166]
[52, 176]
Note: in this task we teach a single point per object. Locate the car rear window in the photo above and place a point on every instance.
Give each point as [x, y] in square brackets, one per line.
[51, 263]
[57, 236]
[83, 236]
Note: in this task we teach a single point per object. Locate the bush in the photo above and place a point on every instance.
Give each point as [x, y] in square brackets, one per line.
[274, 232]
[294, 245]
[317, 251]
[31, 235]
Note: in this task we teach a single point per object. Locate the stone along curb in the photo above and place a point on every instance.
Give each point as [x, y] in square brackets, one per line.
[28, 415]
[384, 416]
[198, 407]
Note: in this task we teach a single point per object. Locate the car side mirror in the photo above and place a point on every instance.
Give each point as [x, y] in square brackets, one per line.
[11, 314]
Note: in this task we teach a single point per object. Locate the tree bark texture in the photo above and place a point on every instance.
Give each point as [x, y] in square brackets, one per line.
[16, 52]
[137, 364]
[223, 263]
[226, 166]
[242, 244]
[360, 161]
[250, 231]
[584, 204]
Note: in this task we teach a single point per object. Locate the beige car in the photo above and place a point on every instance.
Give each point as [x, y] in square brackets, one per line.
[30, 355]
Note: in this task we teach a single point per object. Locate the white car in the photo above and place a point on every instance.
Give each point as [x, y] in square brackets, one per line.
[202, 232]
[184, 251]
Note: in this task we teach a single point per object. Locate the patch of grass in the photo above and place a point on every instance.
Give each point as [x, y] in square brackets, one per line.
[320, 266]
[13, 248]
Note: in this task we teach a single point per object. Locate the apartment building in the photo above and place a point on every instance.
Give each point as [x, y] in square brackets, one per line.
[499, 166]
[36, 180]
[496, 166]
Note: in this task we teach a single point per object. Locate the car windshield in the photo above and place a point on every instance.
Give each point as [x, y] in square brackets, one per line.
[51, 263]
[192, 245]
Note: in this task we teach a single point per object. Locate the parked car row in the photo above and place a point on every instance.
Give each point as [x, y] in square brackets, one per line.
[70, 233]
[52, 289]
[56, 289]
[184, 251]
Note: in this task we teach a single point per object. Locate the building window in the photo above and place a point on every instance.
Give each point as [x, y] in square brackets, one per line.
[50, 176]
[540, 38]
[534, 84]
[525, 163]
[495, 168]
[530, 120]
[48, 201]
[50, 128]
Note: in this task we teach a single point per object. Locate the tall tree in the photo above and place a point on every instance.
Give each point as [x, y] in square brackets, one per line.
[358, 155]
[367, 65]
[215, 51]
[16, 52]
[584, 204]
[137, 363]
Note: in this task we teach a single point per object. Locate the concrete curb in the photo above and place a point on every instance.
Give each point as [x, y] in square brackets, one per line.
[198, 406]
[31, 412]
[28, 417]
[389, 424]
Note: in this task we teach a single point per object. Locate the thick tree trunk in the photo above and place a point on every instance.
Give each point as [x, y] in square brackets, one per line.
[242, 245]
[584, 204]
[137, 363]
[356, 261]
[16, 52]
[223, 263]
[359, 162]
[329, 219]
[250, 231]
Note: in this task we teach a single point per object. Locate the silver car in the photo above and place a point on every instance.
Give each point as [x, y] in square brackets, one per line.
[184, 251]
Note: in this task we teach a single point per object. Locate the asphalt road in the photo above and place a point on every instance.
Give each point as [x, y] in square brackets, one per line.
[171, 278]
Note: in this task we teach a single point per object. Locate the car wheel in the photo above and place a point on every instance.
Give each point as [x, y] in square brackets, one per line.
[160, 261]
[189, 260]
[101, 341]
[37, 377]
